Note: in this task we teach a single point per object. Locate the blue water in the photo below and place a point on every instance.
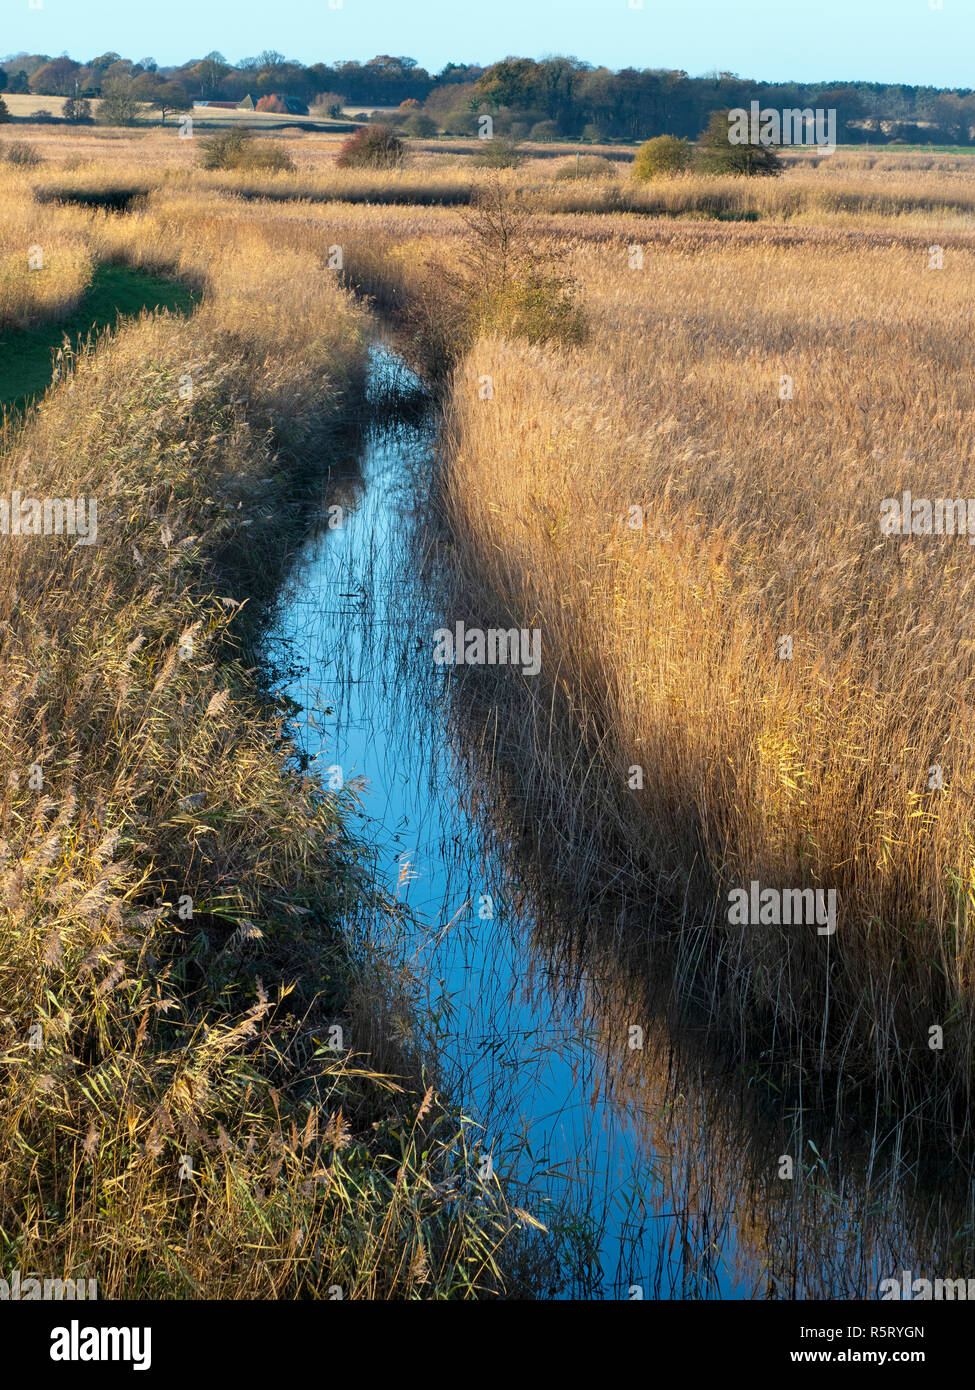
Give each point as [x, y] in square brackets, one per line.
[658, 1187]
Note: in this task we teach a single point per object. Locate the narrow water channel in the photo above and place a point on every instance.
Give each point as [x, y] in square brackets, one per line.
[662, 1174]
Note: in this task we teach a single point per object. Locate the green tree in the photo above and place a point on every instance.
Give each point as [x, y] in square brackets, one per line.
[716, 154]
[4, 113]
[237, 149]
[507, 281]
[102, 63]
[513, 82]
[226, 149]
[664, 155]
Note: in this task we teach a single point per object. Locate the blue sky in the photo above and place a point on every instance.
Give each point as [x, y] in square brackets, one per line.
[882, 40]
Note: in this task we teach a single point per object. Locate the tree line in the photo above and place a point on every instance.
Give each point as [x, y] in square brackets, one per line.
[549, 99]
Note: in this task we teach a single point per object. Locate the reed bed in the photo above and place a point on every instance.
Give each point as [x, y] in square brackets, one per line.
[45, 262]
[200, 1094]
[848, 187]
[797, 195]
[760, 518]
[175, 1121]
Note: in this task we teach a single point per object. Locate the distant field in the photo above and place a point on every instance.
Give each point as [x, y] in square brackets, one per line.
[356, 110]
[22, 107]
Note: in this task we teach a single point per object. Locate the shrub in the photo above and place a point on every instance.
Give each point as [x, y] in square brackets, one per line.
[538, 307]
[717, 155]
[499, 153]
[509, 283]
[20, 152]
[592, 134]
[237, 149]
[664, 155]
[544, 130]
[457, 120]
[76, 110]
[4, 112]
[329, 104]
[420, 126]
[374, 147]
[587, 166]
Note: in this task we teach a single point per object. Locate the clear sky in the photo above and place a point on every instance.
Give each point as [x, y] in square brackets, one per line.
[875, 40]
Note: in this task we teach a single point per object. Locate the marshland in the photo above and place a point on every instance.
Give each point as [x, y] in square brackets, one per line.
[332, 970]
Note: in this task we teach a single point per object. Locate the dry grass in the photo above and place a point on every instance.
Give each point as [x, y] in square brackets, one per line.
[163, 1038]
[40, 286]
[761, 518]
[850, 189]
[175, 1119]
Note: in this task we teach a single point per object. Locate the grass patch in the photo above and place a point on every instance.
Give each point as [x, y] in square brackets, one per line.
[26, 368]
[210, 1083]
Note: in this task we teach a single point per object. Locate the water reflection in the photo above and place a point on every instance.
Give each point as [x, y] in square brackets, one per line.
[662, 1173]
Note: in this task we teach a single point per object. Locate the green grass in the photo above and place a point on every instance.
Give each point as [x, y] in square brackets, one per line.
[897, 148]
[26, 362]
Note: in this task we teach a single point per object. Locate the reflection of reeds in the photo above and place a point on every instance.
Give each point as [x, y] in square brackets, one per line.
[863, 1200]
